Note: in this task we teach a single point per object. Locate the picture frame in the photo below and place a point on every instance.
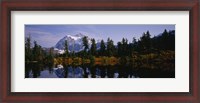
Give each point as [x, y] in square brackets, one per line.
[99, 5]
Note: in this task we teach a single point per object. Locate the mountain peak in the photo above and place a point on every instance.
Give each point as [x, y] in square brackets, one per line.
[74, 42]
[76, 36]
[79, 35]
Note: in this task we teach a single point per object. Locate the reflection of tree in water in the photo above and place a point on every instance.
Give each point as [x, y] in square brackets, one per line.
[87, 72]
[36, 70]
[66, 70]
[50, 68]
[92, 69]
[110, 71]
[131, 70]
[124, 71]
[27, 69]
[32, 69]
[103, 71]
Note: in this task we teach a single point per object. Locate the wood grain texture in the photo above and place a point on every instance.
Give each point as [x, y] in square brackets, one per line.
[96, 5]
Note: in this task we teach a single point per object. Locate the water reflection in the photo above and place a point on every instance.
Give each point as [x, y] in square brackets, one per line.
[36, 70]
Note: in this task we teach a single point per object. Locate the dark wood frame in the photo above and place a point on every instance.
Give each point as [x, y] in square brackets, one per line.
[7, 6]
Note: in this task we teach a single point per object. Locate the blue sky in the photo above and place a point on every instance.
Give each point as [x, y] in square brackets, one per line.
[49, 35]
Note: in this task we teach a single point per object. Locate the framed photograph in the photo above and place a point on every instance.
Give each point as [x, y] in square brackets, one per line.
[100, 51]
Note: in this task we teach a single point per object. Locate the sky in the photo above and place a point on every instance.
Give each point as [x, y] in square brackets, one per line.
[49, 35]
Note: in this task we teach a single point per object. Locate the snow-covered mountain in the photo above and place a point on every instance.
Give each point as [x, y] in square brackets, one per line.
[74, 43]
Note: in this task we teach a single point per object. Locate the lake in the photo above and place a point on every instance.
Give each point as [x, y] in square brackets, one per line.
[36, 70]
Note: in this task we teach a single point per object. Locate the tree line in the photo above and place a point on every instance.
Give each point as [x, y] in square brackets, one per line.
[145, 45]
[124, 48]
[37, 54]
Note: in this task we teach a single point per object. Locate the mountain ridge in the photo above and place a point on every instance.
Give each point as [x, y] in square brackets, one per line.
[74, 43]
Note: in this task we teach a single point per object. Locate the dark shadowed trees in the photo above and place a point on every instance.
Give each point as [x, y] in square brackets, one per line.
[66, 49]
[85, 43]
[110, 47]
[145, 43]
[28, 51]
[102, 48]
[93, 47]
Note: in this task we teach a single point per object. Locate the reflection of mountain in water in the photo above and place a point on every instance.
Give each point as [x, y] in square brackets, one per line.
[98, 71]
[109, 72]
[60, 72]
[74, 72]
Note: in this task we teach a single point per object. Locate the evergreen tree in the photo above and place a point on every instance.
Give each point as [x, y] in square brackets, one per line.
[110, 47]
[125, 47]
[50, 58]
[93, 47]
[85, 43]
[134, 40]
[171, 40]
[133, 46]
[35, 51]
[38, 53]
[102, 48]
[119, 49]
[145, 42]
[165, 43]
[28, 51]
[66, 48]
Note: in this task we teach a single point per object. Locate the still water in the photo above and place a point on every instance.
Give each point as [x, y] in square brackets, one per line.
[35, 70]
